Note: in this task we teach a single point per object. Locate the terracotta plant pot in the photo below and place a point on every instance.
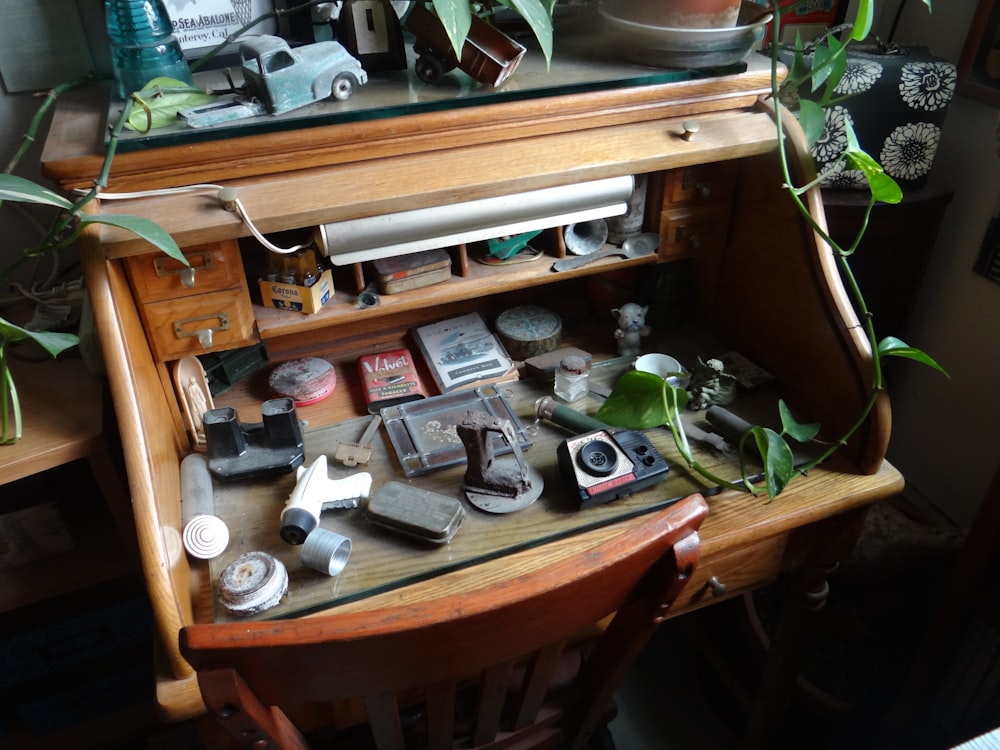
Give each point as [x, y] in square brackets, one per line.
[680, 14]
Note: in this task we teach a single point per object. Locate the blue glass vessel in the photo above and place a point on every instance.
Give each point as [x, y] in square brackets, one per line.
[143, 45]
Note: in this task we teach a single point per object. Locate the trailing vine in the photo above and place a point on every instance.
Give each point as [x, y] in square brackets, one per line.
[641, 400]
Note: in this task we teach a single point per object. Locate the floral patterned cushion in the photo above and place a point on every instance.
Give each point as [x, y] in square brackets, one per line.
[897, 104]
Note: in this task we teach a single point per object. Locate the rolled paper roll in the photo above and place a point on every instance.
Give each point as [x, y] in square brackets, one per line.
[196, 487]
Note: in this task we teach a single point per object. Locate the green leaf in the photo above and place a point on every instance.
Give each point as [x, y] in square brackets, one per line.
[144, 228]
[812, 118]
[20, 190]
[796, 430]
[863, 20]
[636, 402]
[163, 107]
[53, 343]
[821, 65]
[779, 466]
[882, 186]
[539, 18]
[456, 17]
[800, 68]
[891, 346]
[838, 66]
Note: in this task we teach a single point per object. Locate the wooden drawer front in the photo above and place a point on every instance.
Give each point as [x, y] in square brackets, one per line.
[157, 276]
[704, 183]
[684, 232]
[742, 569]
[198, 325]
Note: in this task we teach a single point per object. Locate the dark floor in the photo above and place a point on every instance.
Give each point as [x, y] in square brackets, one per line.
[692, 687]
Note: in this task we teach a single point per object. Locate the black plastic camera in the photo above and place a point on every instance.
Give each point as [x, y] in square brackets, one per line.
[607, 464]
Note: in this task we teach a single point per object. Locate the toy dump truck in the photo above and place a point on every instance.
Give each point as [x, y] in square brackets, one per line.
[278, 78]
[488, 55]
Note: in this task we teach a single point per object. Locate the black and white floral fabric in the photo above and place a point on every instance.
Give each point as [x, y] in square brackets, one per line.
[896, 104]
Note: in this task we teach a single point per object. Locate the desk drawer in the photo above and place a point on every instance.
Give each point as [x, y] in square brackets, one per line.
[702, 183]
[201, 324]
[214, 266]
[742, 569]
[688, 231]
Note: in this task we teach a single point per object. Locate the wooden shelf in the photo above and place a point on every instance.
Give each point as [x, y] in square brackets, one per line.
[61, 404]
[476, 281]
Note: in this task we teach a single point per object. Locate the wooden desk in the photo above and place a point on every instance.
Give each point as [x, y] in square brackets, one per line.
[760, 283]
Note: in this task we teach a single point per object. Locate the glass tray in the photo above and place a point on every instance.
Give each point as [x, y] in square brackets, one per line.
[382, 560]
[582, 61]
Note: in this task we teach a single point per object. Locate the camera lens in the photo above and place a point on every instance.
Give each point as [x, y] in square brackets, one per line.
[597, 458]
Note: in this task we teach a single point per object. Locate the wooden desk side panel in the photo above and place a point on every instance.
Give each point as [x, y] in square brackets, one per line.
[150, 444]
[778, 297]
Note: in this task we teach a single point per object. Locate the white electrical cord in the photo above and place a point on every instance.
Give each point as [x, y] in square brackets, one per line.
[241, 211]
[229, 197]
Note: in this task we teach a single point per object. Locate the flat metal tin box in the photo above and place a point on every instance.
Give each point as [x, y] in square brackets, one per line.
[404, 272]
[416, 512]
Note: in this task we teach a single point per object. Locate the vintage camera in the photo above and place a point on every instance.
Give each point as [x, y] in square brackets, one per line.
[607, 464]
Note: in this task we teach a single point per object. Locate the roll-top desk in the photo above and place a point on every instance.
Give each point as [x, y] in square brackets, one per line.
[758, 281]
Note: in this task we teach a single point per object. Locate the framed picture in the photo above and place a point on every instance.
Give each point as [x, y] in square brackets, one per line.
[979, 66]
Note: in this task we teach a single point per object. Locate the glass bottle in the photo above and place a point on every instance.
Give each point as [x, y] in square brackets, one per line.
[143, 45]
[571, 378]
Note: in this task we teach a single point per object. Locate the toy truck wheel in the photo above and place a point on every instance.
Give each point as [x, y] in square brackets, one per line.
[428, 68]
[343, 87]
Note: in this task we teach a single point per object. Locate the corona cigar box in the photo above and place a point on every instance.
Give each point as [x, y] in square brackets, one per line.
[390, 378]
[412, 271]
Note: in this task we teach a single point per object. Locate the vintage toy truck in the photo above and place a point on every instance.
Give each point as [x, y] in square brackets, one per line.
[488, 55]
[278, 78]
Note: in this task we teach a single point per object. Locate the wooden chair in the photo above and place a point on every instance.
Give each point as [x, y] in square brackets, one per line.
[503, 645]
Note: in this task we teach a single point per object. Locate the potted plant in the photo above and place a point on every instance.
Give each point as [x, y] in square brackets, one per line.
[642, 400]
[69, 222]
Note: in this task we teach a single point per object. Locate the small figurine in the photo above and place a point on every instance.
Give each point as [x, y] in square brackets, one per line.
[711, 385]
[195, 397]
[631, 328]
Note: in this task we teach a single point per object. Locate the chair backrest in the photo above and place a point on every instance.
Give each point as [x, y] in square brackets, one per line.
[502, 644]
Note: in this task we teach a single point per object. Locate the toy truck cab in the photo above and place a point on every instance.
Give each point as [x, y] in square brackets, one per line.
[282, 78]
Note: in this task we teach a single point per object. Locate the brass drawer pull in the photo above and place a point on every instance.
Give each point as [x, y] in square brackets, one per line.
[182, 328]
[202, 260]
